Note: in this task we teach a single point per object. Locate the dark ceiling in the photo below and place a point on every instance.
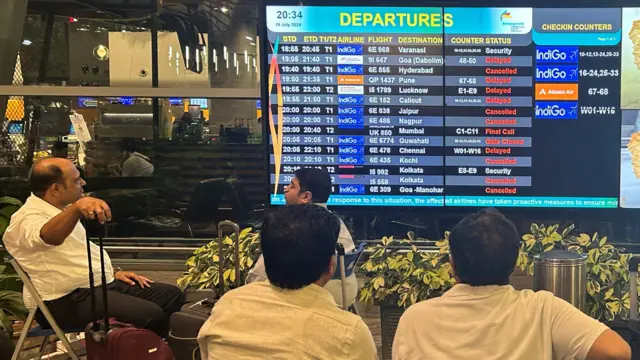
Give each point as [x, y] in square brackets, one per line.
[208, 15]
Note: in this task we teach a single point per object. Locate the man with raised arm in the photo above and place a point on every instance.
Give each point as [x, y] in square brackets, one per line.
[483, 317]
[48, 241]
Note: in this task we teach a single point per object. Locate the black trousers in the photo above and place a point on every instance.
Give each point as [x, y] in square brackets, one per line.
[147, 308]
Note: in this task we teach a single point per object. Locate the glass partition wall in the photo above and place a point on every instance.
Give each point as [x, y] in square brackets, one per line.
[159, 111]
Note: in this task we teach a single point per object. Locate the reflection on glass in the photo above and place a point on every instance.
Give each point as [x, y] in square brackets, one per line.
[208, 144]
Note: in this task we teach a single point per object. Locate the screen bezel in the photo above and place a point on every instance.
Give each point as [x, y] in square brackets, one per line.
[599, 214]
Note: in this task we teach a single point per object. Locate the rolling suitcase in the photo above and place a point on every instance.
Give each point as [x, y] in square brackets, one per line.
[630, 330]
[186, 323]
[108, 339]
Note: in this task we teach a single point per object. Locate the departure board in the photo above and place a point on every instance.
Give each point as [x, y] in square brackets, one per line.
[431, 106]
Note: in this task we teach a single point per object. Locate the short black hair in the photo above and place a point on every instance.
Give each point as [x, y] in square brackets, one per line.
[298, 242]
[129, 145]
[484, 247]
[42, 177]
[317, 181]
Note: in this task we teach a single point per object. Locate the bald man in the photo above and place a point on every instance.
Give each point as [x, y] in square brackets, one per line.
[47, 239]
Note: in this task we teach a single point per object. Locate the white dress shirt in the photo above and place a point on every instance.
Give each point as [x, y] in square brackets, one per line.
[494, 323]
[261, 321]
[55, 271]
[259, 273]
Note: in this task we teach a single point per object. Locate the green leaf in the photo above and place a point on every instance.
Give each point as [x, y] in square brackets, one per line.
[568, 230]
[584, 239]
[534, 229]
[603, 241]
[5, 323]
[191, 262]
[593, 287]
[8, 210]
[609, 315]
[552, 229]
[608, 294]
[593, 255]
[10, 201]
[11, 302]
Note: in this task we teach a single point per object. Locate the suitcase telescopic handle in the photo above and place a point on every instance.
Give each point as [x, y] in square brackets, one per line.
[234, 228]
[633, 287]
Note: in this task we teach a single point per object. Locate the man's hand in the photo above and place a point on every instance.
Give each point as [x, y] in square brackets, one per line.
[92, 208]
[131, 278]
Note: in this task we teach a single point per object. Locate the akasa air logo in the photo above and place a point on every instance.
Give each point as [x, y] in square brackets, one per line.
[507, 20]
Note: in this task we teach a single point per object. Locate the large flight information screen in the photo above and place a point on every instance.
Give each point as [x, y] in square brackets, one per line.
[420, 106]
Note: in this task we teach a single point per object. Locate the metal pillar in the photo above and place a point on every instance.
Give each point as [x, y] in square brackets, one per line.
[11, 23]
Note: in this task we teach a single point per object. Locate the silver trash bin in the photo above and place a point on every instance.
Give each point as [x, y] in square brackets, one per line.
[564, 273]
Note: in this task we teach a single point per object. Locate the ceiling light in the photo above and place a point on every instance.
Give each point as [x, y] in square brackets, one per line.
[101, 52]
[252, 44]
[26, 42]
[248, 38]
[224, 9]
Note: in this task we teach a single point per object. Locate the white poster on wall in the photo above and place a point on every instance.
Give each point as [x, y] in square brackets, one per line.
[80, 127]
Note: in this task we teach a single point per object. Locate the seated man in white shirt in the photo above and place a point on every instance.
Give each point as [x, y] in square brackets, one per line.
[47, 239]
[482, 317]
[290, 316]
[313, 186]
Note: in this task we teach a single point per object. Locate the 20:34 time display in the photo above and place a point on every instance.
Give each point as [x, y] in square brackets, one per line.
[289, 14]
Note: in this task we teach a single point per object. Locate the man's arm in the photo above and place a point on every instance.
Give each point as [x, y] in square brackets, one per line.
[577, 336]
[610, 346]
[56, 230]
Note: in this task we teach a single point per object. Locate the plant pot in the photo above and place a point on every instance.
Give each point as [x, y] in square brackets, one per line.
[390, 314]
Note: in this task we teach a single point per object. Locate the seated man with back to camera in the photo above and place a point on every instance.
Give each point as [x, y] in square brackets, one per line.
[483, 317]
[313, 186]
[47, 239]
[290, 316]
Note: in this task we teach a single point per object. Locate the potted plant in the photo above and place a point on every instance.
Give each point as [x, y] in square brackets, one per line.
[11, 308]
[399, 275]
[11, 304]
[607, 269]
[203, 273]
[8, 206]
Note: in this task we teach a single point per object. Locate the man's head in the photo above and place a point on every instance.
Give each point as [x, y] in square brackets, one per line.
[60, 150]
[129, 146]
[57, 181]
[310, 185]
[484, 248]
[299, 244]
